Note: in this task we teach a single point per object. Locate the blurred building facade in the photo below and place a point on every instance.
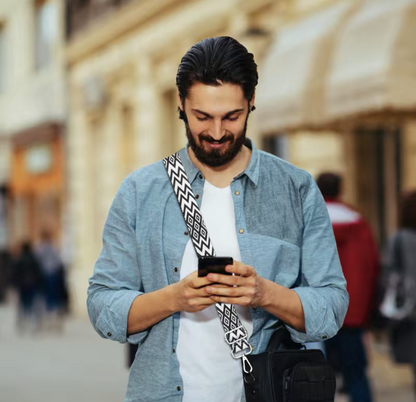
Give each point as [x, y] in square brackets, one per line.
[32, 119]
[339, 85]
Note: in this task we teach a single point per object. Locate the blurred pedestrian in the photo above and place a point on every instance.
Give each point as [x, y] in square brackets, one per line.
[401, 265]
[360, 263]
[4, 246]
[54, 281]
[27, 279]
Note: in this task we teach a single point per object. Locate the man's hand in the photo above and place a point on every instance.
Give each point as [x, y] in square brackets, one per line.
[190, 295]
[246, 288]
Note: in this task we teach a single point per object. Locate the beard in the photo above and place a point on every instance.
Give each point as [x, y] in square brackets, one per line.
[216, 157]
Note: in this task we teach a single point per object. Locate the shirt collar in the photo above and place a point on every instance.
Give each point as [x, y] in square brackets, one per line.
[252, 170]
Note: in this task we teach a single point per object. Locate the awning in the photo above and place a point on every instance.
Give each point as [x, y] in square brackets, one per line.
[290, 92]
[374, 61]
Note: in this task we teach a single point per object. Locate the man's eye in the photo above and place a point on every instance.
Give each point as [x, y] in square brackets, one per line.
[233, 118]
[202, 118]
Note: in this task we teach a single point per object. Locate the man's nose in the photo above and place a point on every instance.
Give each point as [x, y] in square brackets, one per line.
[217, 131]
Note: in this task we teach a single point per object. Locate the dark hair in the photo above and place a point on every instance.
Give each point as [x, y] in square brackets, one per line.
[407, 213]
[329, 184]
[217, 59]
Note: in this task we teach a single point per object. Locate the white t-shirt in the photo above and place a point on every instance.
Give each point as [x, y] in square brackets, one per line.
[208, 370]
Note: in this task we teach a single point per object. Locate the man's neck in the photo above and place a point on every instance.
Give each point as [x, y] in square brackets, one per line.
[222, 176]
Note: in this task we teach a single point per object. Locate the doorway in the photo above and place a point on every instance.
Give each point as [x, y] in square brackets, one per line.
[378, 178]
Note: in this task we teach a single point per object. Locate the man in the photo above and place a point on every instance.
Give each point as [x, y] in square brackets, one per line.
[54, 281]
[360, 263]
[28, 281]
[265, 213]
[4, 244]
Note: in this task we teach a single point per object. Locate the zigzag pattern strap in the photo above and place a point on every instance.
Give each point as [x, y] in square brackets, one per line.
[189, 207]
[235, 333]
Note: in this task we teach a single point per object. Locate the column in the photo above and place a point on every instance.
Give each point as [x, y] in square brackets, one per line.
[148, 119]
[408, 153]
[79, 200]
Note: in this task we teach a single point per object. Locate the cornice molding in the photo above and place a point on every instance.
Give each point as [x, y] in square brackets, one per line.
[110, 27]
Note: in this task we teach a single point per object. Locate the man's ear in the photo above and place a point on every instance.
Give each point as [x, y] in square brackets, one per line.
[251, 105]
[181, 108]
[178, 98]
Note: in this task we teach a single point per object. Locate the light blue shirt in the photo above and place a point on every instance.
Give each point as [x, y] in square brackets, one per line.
[286, 236]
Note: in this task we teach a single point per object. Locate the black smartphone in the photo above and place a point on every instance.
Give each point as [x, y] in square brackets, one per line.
[215, 265]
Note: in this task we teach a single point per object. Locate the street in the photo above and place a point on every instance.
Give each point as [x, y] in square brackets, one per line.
[78, 365]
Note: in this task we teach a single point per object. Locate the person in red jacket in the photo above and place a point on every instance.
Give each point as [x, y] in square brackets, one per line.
[360, 264]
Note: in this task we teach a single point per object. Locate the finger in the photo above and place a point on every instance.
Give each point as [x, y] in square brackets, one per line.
[225, 279]
[225, 291]
[240, 301]
[197, 282]
[201, 292]
[204, 301]
[239, 268]
[200, 282]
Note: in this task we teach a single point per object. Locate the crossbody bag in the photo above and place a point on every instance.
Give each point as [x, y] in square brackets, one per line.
[284, 372]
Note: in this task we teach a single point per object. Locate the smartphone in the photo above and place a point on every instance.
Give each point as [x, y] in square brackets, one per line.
[215, 265]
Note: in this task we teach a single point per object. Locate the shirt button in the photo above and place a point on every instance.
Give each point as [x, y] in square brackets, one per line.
[178, 388]
[109, 334]
[176, 269]
[201, 177]
[197, 196]
[324, 337]
[173, 351]
[237, 193]
[241, 231]
[186, 233]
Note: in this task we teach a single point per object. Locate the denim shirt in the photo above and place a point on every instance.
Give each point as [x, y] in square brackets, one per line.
[286, 236]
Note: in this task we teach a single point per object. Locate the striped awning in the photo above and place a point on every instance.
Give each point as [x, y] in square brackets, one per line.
[293, 74]
[374, 61]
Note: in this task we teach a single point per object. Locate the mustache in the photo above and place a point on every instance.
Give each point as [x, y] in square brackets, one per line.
[211, 140]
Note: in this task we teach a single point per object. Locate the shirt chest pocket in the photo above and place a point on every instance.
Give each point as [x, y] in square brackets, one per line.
[275, 259]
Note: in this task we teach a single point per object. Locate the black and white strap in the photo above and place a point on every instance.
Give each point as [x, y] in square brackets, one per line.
[235, 333]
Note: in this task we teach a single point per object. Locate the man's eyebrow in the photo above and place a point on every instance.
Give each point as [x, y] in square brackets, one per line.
[225, 116]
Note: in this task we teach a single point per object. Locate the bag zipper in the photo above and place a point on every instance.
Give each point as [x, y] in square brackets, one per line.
[286, 385]
[286, 389]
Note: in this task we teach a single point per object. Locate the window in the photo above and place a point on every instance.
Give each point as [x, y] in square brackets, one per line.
[2, 59]
[377, 161]
[46, 35]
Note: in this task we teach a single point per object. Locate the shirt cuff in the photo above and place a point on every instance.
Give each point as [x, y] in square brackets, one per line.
[112, 321]
[317, 320]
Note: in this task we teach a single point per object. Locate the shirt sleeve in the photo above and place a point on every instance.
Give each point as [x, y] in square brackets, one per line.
[322, 290]
[116, 281]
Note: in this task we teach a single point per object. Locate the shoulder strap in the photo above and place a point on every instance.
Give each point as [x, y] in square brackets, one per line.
[281, 339]
[235, 333]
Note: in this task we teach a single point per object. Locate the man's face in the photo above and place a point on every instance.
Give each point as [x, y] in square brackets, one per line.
[217, 122]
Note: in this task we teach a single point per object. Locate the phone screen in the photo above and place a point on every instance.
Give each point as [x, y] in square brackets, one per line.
[213, 264]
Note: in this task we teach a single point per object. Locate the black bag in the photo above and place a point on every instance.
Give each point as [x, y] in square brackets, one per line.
[287, 373]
